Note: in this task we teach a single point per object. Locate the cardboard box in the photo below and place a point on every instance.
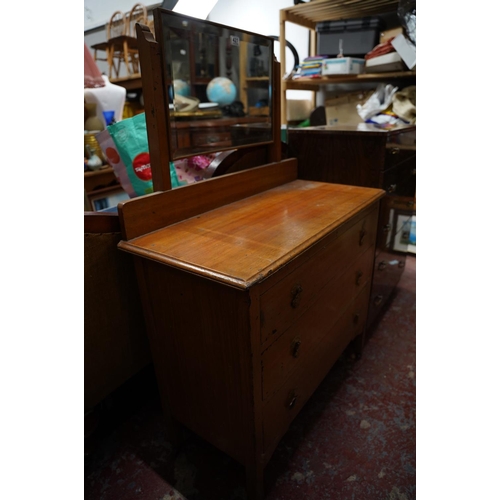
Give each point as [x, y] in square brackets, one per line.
[343, 66]
[406, 50]
[298, 109]
[385, 62]
[342, 110]
[388, 34]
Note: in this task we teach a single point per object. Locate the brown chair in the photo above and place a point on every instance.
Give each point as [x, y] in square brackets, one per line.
[138, 14]
[120, 47]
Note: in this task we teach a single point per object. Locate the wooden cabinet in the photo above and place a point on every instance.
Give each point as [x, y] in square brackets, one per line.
[308, 15]
[253, 283]
[102, 189]
[367, 156]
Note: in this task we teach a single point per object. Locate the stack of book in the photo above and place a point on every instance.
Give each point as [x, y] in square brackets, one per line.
[311, 67]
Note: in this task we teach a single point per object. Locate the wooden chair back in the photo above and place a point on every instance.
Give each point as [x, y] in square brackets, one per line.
[138, 14]
[117, 25]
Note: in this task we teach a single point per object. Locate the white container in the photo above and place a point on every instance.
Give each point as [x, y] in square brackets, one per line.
[111, 97]
[343, 66]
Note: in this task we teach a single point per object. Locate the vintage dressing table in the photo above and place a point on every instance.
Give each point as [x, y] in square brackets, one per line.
[253, 283]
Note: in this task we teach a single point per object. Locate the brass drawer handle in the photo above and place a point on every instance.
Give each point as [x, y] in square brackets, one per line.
[296, 343]
[292, 399]
[378, 300]
[392, 188]
[382, 265]
[395, 151]
[362, 235]
[296, 294]
[359, 275]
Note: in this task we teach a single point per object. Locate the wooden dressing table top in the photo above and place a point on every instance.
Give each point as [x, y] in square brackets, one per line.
[243, 242]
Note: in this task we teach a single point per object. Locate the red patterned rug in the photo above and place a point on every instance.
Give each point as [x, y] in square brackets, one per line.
[354, 439]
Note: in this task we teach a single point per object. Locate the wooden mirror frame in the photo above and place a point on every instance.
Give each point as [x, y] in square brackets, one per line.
[158, 124]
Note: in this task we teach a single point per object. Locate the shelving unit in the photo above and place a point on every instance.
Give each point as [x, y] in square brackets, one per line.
[308, 15]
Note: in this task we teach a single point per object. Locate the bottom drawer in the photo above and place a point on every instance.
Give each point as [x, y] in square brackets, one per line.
[279, 412]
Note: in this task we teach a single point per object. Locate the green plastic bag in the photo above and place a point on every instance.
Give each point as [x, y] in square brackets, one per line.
[130, 137]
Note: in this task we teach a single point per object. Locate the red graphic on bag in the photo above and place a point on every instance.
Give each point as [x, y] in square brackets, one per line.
[142, 166]
[112, 155]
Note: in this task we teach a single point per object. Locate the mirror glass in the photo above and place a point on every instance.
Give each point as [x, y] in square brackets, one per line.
[218, 82]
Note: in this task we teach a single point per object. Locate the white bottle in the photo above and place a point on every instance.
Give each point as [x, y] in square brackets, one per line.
[111, 97]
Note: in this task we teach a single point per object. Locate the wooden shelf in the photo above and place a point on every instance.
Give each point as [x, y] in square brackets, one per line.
[308, 15]
[96, 180]
[257, 79]
[104, 170]
[129, 83]
[314, 83]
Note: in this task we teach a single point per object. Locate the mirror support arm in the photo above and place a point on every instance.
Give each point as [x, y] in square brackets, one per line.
[275, 147]
[154, 99]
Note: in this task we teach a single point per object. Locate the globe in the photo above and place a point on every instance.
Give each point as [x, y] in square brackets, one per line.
[221, 90]
[181, 88]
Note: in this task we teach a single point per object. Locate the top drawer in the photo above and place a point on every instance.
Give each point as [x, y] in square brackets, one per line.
[290, 297]
[400, 147]
[396, 154]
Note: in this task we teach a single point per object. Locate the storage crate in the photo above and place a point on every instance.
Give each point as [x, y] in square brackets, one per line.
[359, 36]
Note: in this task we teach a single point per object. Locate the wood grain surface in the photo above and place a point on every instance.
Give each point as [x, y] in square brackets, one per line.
[243, 242]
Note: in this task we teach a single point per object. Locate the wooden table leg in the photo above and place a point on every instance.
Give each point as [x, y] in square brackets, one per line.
[255, 482]
[126, 57]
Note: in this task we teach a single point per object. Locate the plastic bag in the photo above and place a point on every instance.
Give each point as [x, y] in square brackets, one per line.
[125, 145]
[407, 13]
[379, 101]
[195, 168]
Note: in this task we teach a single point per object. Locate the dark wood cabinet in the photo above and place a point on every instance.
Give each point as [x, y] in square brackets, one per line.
[372, 157]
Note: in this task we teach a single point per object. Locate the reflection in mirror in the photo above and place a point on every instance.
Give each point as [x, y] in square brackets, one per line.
[219, 84]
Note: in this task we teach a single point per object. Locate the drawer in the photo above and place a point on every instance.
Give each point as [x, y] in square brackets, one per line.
[396, 154]
[388, 268]
[386, 275]
[395, 218]
[293, 348]
[282, 304]
[401, 179]
[282, 408]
